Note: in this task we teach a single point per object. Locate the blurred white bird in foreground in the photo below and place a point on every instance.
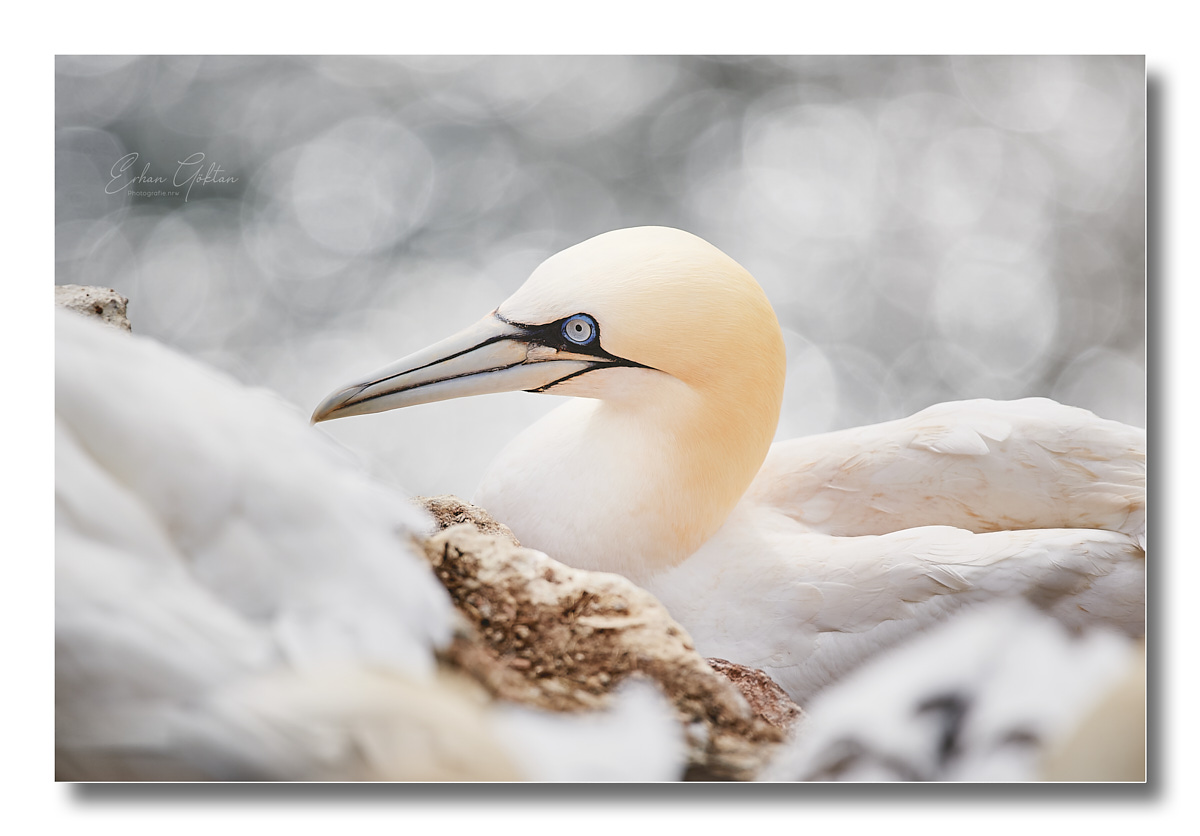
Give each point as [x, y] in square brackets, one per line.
[984, 696]
[236, 599]
[804, 558]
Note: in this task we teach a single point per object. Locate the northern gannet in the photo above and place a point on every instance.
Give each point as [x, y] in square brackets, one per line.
[801, 558]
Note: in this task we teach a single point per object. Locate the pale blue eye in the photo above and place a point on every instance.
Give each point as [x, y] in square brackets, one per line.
[580, 329]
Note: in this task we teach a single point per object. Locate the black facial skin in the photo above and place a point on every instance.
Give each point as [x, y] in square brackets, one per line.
[551, 336]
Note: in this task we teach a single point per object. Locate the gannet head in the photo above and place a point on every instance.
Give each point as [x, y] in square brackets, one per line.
[683, 357]
[617, 317]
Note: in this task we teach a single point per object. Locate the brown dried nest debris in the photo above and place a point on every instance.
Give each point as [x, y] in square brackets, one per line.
[558, 638]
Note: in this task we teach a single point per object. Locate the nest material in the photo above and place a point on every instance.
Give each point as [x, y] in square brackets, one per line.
[544, 634]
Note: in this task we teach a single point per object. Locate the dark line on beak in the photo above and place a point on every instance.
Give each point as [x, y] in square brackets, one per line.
[563, 379]
[605, 365]
[475, 347]
[428, 382]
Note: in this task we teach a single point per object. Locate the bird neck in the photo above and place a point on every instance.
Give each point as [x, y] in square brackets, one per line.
[633, 486]
[706, 450]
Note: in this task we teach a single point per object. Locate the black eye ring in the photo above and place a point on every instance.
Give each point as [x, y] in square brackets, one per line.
[580, 329]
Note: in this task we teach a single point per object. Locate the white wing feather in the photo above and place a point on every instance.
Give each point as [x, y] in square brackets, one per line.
[809, 608]
[979, 465]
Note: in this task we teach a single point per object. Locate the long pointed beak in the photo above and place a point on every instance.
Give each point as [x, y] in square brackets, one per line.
[490, 356]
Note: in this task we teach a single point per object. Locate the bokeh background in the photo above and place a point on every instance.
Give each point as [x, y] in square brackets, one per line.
[928, 228]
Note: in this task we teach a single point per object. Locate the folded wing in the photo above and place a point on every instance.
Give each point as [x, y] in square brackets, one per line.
[980, 465]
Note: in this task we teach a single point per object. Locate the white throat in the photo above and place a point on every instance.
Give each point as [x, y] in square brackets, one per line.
[634, 486]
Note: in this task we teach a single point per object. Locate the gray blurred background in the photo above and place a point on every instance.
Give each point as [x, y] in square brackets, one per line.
[928, 229]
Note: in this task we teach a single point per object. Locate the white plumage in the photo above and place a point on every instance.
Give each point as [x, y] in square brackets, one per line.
[981, 697]
[979, 465]
[235, 599]
[805, 558]
[853, 540]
